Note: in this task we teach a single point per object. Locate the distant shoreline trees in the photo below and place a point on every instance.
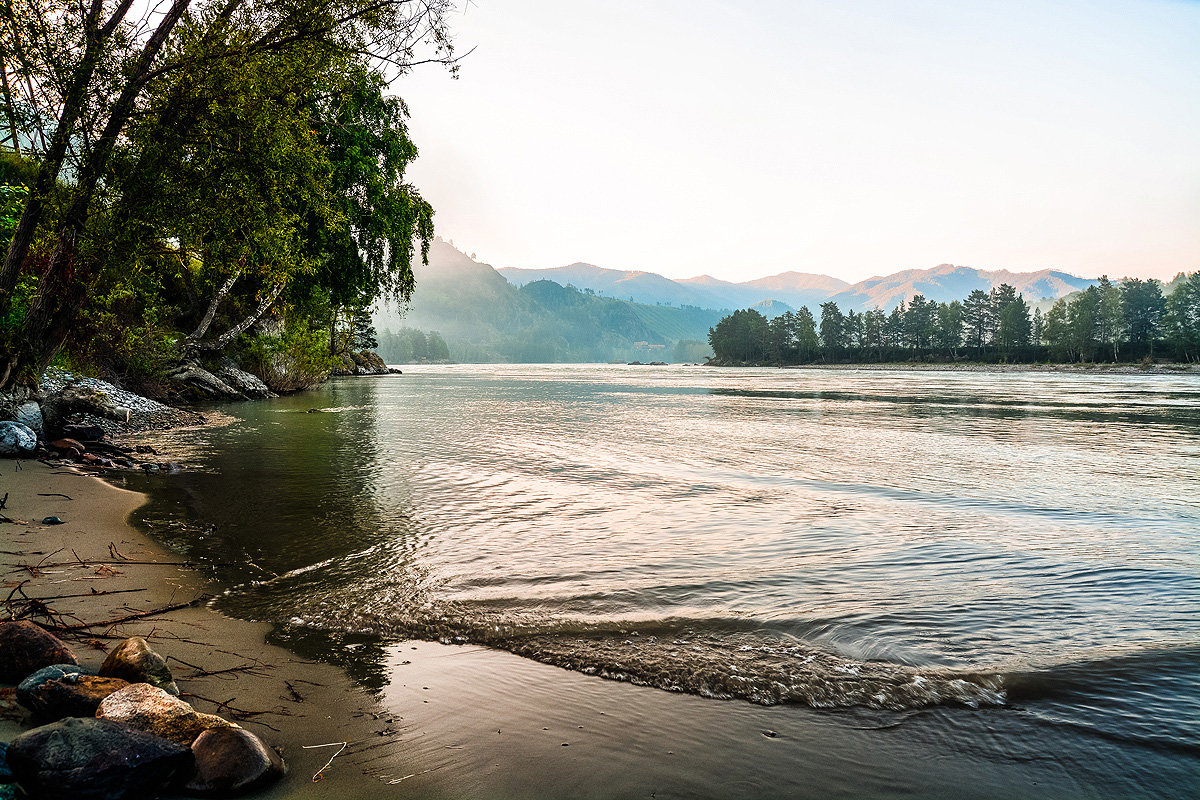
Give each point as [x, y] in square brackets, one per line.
[1107, 322]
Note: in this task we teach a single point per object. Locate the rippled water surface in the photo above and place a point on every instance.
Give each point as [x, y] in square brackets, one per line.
[1027, 542]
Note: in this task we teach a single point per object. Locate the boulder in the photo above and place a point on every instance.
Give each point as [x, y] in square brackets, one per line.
[152, 710]
[77, 398]
[199, 384]
[26, 648]
[94, 759]
[247, 384]
[54, 672]
[231, 762]
[64, 690]
[30, 415]
[16, 439]
[134, 661]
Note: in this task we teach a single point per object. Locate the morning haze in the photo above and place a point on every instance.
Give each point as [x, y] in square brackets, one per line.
[706, 399]
[851, 139]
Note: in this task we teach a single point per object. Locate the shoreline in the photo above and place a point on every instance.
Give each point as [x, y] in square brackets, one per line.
[223, 665]
[1080, 369]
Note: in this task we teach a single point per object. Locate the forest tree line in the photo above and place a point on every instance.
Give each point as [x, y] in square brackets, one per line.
[1108, 322]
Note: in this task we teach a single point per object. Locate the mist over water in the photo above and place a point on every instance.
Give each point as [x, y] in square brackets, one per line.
[885, 540]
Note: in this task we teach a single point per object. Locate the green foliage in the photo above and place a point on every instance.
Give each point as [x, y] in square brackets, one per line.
[295, 358]
[12, 201]
[742, 337]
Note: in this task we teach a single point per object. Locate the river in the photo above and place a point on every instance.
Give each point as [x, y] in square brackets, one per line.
[1006, 561]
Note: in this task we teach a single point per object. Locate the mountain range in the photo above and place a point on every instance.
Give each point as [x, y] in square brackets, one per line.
[582, 312]
[942, 283]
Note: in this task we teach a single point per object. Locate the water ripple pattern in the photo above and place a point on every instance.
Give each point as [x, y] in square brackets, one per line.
[886, 539]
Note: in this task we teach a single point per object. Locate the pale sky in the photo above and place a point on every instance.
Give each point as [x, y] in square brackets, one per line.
[848, 137]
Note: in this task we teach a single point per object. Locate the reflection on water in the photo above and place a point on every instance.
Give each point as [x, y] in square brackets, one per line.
[883, 539]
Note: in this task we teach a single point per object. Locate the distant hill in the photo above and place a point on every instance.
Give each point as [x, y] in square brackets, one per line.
[947, 282]
[484, 318]
[794, 288]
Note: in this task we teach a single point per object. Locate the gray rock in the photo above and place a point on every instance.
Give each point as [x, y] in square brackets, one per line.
[134, 661]
[94, 759]
[247, 384]
[152, 710]
[30, 415]
[200, 384]
[16, 439]
[231, 762]
[26, 648]
[65, 690]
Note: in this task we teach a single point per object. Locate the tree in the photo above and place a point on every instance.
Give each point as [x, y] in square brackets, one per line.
[1081, 323]
[833, 329]
[1143, 306]
[919, 323]
[1015, 327]
[91, 69]
[742, 336]
[977, 310]
[1058, 332]
[949, 333]
[807, 342]
[1109, 318]
[1182, 319]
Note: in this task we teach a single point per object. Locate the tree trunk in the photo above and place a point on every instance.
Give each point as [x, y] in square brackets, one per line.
[228, 336]
[62, 287]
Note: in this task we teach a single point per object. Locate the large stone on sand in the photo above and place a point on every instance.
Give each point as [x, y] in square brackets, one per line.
[65, 690]
[16, 439]
[26, 648]
[231, 762]
[150, 709]
[94, 759]
[133, 660]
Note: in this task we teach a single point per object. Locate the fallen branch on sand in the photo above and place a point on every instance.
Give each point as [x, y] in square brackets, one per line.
[139, 615]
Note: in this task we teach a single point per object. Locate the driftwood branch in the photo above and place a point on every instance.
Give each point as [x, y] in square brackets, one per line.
[139, 615]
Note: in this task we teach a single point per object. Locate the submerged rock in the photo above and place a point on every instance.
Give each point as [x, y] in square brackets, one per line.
[26, 648]
[152, 710]
[94, 759]
[65, 690]
[16, 439]
[230, 762]
[134, 661]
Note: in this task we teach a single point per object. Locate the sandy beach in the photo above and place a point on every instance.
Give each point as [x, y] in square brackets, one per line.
[96, 550]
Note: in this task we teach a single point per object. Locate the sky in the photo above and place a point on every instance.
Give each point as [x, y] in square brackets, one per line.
[851, 138]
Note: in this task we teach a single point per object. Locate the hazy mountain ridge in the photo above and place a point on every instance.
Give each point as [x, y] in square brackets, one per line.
[947, 282]
[942, 283]
[484, 317]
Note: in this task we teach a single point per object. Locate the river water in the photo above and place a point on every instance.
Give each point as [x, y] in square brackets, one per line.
[1014, 558]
